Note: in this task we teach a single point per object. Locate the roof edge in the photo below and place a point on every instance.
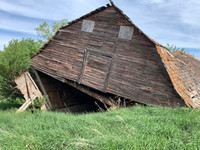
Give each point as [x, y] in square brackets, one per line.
[95, 12]
[75, 21]
[127, 18]
[188, 55]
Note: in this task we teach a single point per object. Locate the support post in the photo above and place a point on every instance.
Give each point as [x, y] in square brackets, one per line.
[48, 104]
[28, 92]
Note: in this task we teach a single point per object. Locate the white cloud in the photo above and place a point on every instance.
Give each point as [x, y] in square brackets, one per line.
[25, 15]
[6, 6]
[154, 1]
[173, 21]
[191, 14]
[176, 22]
[17, 25]
[50, 9]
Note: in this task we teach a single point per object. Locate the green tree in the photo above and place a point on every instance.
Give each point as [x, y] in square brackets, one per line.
[47, 31]
[172, 48]
[14, 60]
[16, 57]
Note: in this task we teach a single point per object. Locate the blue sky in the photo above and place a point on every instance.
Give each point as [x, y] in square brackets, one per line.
[166, 21]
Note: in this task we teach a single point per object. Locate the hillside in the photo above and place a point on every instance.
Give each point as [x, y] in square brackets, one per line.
[131, 128]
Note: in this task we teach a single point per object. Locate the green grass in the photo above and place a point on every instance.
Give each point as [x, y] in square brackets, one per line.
[131, 128]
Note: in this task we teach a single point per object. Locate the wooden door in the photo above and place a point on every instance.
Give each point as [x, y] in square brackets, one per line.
[96, 68]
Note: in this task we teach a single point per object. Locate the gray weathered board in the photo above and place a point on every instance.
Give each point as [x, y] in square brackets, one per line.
[28, 88]
[98, 63]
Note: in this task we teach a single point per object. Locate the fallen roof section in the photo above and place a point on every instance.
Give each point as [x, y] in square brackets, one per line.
[191, 63]
[184, 74]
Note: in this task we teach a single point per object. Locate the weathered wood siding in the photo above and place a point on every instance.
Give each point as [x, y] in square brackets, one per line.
[95, 70]
[135, 72]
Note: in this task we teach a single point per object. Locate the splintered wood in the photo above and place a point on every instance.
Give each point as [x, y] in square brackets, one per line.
[28, 88]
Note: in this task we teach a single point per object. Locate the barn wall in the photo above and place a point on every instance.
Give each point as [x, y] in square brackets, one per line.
[136, 71]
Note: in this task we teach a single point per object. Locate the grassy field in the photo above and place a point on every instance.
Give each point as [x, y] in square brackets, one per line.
[138, 127]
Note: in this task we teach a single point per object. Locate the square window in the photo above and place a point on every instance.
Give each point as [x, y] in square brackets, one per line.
[87, 25]
[126, 32]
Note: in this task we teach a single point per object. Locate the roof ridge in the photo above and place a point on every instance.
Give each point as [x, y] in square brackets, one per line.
[87, 15]
[97, 11]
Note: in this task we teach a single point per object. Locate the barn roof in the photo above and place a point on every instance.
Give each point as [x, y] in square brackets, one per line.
[97, 11]
[189, 60]
[184, 72]
[181, 68]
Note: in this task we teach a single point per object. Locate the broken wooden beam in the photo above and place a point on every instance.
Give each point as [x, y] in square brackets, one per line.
[29, 89]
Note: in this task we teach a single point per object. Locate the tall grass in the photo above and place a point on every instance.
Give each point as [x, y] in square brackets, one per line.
[131, 128]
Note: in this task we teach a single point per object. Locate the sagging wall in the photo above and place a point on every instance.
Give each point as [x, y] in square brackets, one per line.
[63, 96]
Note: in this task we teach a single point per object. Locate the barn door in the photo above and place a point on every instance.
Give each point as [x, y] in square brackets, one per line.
[95, 72]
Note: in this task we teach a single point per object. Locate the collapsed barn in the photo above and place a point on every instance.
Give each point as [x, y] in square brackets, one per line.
[103, 56]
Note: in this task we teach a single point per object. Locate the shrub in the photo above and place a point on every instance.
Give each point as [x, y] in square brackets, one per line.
[14, 60]
[47, 31]
[39, 102]
[173, 48]
[16, 57]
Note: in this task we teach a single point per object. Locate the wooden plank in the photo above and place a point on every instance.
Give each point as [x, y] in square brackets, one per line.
[108, 75]
[83, 66]
[48, 104]
[24, 106]
[95, 70]
[28, 88]
[67, 69]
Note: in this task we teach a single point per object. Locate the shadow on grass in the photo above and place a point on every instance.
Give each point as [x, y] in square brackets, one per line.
[7, 105]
